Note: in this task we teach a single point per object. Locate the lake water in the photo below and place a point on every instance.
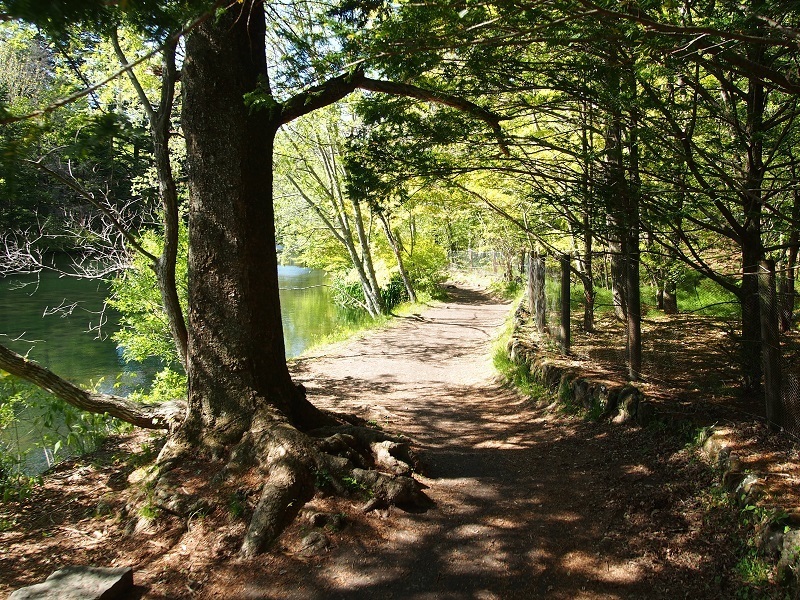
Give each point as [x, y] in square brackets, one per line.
[69, 342]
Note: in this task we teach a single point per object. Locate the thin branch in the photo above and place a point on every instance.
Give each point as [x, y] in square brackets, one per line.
[76, 187]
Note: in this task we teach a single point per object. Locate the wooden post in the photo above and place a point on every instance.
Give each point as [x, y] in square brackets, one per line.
[531, 291]
[633, 314]
[565, 302]
[539, 299]
[770, 342]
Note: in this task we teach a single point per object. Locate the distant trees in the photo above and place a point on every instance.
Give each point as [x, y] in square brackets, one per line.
[641, 133]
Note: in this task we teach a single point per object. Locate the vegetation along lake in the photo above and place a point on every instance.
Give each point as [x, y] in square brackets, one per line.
[69, 342]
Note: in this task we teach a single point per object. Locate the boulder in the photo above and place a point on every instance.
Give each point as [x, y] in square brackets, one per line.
[627, 404]
[80, 583]
[788, 563]
[314, 543]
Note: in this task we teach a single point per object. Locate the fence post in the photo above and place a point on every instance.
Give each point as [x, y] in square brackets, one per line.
[539, 298]
[531, 290]
[770, 342]
[565, 304]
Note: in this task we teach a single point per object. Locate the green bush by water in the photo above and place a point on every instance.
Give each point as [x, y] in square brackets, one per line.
[37, 430]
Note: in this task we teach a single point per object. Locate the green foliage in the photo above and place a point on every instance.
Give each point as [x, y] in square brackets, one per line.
[149, 511]
[394, 292]
[509, 290]
[349, 294]
[167, 384]
[426, 264]
[261, 98]
[322, 479]
[144, 328]
[33, 421]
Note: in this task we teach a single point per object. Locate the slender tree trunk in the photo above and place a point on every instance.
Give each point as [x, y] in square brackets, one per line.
[160, 121]
[633, 286]
[770, 336]
[616, 200]
[398, 255]
[366, 254]
[587, 233]
[787, 291]
[750, 350]
[669, 298]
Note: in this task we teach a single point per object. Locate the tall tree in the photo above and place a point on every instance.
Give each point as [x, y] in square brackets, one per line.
[243, 406]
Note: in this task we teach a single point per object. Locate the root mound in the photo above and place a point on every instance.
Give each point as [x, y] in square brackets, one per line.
[275, 469]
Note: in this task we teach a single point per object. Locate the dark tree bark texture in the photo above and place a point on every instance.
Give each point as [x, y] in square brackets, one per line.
[243, 406]
[236, 359]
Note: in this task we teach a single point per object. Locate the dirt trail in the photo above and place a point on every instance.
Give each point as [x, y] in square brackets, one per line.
[529, 504]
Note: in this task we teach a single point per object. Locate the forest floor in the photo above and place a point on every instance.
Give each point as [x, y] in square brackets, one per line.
[528, 502]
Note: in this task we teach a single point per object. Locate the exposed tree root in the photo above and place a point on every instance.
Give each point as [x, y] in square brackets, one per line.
[278, 468]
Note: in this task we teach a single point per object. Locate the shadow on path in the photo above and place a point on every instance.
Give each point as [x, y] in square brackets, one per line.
[529, 504]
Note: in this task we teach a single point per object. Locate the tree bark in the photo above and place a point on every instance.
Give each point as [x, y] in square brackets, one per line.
[771, 352]
[751, 242]
[669, 298]
[787, 291]
[160, 121]
[236, 361]
[398, 255]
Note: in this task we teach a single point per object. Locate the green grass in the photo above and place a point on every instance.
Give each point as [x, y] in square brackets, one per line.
[706, 298]
[519, 375]
[364, 323]
[753, 570]
[508, 290]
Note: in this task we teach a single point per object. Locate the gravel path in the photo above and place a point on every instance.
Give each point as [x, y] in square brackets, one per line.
[527, 502]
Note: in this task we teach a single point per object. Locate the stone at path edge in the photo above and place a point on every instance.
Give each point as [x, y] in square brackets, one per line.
[80, 583]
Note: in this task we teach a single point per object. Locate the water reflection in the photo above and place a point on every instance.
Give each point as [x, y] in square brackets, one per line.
[69, 342]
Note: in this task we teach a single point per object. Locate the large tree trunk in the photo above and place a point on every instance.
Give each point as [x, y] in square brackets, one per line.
[750, 347]
[751, 243]
[243, 405]
[236, 358]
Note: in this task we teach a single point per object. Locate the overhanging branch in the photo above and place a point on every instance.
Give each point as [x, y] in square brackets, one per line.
[337, 88]
[162, 416]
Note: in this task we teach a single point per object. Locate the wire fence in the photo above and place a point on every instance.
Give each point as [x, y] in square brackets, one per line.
[474, 259]
[790, 394]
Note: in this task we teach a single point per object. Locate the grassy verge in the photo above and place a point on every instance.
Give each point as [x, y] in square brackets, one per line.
[516, 374]
[353, 329]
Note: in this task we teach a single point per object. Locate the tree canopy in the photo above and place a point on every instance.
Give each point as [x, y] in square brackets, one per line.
[655, 138]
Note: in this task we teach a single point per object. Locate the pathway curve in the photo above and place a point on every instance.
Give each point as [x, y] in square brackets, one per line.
[528, 504]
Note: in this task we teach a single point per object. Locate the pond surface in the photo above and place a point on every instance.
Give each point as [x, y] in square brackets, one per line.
[76, 342]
